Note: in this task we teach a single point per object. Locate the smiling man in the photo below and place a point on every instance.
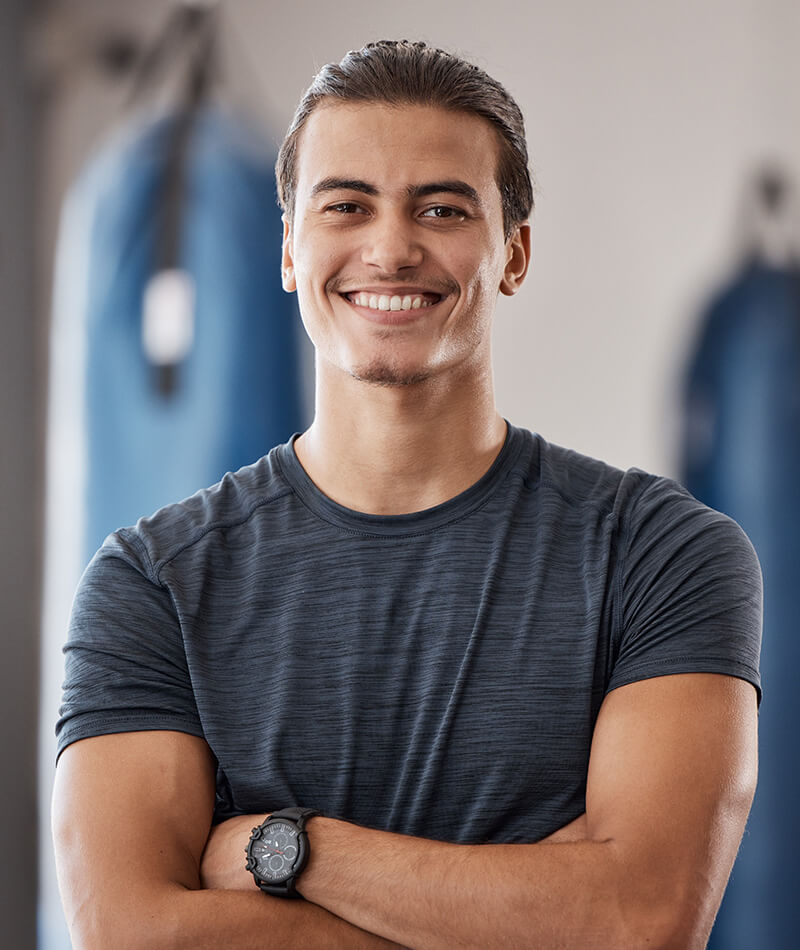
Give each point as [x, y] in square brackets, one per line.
[452, 684]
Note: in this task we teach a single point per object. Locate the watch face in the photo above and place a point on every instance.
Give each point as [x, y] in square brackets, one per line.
[276, 852]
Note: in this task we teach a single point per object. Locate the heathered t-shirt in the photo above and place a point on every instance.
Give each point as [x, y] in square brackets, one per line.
[437, 673]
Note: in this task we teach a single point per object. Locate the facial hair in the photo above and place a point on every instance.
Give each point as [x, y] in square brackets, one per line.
[379, 373]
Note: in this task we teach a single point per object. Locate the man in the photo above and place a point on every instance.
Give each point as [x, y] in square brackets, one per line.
[507, 693]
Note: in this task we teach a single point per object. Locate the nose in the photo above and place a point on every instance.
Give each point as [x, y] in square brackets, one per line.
[391, 243]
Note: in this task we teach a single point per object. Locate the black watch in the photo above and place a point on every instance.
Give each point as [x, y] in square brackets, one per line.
[278, 851]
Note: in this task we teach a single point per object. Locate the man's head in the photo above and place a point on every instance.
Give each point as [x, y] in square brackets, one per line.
[404, 73]
[406, 211]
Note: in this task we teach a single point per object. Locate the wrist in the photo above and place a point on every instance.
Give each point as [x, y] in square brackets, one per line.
[323, 834]
[278, 851]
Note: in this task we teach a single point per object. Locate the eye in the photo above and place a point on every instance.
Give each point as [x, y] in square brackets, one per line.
[345, 207]
[444, 212]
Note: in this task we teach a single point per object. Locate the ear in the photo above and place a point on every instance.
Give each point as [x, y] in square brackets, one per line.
[287, 258]
[518, 257]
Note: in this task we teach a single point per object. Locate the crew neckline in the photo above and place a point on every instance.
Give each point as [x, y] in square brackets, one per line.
[415, 522]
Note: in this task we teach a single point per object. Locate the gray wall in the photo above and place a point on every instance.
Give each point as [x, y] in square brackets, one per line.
[22, 371]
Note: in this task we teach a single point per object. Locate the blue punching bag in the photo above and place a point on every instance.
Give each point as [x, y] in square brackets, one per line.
[742, 456]
[192, 347]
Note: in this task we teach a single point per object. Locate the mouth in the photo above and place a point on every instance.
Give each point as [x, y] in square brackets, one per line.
[392, 302]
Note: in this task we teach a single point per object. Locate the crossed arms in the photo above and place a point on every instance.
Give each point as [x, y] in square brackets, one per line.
[671, 779]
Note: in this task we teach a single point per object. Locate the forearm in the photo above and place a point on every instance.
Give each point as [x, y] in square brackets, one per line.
[175, 906]
[564, 891]
[431, 895]
[181, 919]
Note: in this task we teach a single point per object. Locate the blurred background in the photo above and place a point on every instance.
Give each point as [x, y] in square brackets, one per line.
[147, 348]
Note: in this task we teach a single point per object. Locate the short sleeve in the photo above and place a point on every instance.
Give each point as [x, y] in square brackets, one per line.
[689, 590]
[125, 662]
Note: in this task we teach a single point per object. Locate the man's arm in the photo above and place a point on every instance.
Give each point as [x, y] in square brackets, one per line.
[131, 814]
[671, 779]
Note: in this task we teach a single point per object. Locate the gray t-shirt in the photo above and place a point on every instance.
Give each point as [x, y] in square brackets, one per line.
[436, 673]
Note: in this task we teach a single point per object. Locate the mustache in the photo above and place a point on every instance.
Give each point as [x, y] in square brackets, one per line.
[434, 285]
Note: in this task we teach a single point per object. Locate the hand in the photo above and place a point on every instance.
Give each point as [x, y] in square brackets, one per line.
[222, 866]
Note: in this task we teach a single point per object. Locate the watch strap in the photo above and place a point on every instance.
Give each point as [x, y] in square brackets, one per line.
[298, 815]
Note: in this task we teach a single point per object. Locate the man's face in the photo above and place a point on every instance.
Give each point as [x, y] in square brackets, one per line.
[396, 247]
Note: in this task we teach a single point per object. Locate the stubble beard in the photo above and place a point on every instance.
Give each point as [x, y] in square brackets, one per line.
[385, 369]
[379, 373]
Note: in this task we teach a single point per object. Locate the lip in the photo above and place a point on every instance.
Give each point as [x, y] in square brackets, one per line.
[401, 290]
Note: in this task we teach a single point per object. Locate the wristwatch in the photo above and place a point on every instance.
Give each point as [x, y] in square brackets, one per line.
[278, 851]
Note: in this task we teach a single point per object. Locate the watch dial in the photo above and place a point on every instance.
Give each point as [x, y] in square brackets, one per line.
[276, 852]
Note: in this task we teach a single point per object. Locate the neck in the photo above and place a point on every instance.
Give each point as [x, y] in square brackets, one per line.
[397, 449]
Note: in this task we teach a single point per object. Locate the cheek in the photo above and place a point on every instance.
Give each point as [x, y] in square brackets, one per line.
[322, 265]
[482, 280]
[477, 270]
[312, 270]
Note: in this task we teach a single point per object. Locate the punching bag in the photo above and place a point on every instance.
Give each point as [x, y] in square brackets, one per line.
[191, 347]
[742, 456]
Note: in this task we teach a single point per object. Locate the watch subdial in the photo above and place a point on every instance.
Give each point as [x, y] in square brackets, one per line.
[276, 864]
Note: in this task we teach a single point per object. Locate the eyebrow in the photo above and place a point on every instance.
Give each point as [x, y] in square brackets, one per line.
[451, 186]
[343, 184]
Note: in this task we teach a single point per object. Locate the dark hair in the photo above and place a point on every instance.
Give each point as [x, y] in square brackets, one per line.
[399, 72]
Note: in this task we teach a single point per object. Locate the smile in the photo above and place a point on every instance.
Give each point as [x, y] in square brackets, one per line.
[392, 302]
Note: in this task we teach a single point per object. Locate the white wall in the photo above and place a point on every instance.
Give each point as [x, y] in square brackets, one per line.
[643, 120]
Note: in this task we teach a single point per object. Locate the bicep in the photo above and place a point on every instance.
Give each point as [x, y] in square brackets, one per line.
[131, 814]
[671, 779]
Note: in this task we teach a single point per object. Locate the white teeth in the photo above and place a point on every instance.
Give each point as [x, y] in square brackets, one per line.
[386, 302]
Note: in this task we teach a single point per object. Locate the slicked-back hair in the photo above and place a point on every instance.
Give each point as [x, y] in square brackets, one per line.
[400, 72]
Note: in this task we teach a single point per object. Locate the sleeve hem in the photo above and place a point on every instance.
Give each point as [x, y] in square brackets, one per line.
[673, 666]
[110, 725]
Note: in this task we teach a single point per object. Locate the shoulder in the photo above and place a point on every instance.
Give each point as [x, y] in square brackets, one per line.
[583, 481]
[652, 516]
[157, 539]
[664, 514]
[684, 582]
